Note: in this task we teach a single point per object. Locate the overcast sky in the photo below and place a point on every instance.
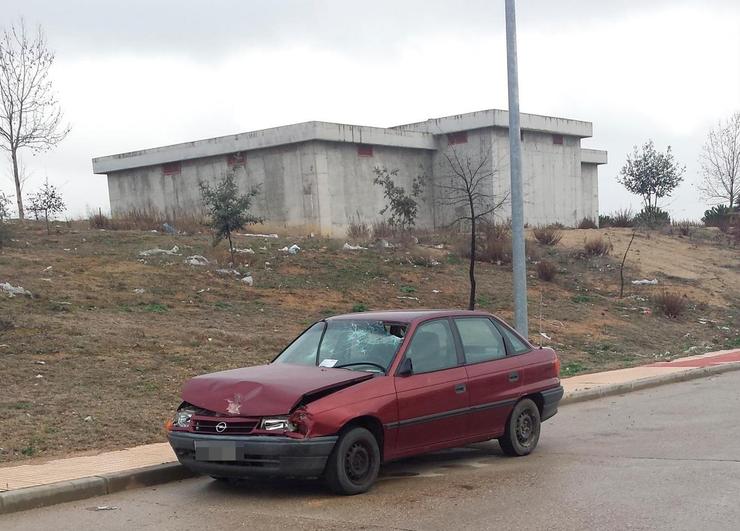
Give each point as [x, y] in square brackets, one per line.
[135, 74]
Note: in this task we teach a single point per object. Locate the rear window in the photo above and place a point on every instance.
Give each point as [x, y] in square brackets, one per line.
[517, 344]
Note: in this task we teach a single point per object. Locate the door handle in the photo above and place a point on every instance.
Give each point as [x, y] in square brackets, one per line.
[513, 376]
[460, 388]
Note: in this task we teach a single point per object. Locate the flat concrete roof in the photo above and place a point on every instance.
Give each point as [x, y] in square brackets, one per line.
[593, 156]
[414, 136]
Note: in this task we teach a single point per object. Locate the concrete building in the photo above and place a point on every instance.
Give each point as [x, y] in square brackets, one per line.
[318, 176]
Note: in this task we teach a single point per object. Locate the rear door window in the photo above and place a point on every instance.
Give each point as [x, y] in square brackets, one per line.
[517, 345]
[481, 340]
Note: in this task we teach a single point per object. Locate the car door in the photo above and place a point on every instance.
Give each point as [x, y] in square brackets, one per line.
[494, 379]
[433, 400]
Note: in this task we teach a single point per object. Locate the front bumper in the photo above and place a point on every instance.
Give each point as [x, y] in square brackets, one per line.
[257, 455]
[551, 399]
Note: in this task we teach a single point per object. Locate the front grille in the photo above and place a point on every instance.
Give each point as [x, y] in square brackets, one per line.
[233, 426]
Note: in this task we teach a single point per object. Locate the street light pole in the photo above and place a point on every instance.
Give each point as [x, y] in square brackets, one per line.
[517, 195]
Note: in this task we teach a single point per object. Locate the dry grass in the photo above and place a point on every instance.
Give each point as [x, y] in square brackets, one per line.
[382, 230]
[670, 304]
[597, 246]
[546, 270]
[358, 231]
[150, 219]
[548, 235]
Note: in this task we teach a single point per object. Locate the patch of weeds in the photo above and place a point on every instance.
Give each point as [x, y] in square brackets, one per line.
[5, 325]
[58, 307]
[154, 307]
[221, 305]
[453, 259]
[580, 298]
[360, 307]
[408, 289]
[21, 405]
[30, 449]
[574, 367]
[483, 300]
[125, 308]
[733, 342]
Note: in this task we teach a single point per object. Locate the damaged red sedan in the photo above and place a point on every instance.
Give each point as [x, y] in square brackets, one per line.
[354, 391]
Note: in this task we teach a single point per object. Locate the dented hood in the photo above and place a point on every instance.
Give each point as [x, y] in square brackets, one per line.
[273, 389]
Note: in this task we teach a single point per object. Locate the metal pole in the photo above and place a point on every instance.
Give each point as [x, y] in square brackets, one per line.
[515, 156]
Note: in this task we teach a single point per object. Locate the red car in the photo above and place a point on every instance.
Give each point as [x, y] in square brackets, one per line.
[354, 391]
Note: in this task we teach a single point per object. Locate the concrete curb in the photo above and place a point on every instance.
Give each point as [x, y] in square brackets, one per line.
[79, 489]
[644, 383]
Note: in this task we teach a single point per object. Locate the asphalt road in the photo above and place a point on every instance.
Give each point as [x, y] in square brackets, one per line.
[664, 458]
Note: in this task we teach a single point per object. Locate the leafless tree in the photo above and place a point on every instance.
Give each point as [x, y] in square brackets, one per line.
[30, 115]
[469, 189]
[720, 163]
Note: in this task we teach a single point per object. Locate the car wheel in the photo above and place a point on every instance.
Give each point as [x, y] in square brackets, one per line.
[354, 463]
[522, 429]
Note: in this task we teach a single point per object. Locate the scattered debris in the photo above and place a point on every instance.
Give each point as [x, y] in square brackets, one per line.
[436, 291]
[39, 376]
[39, 362]
[248, 280]
[545, 336]
[104, 508]
[12, 291]
[248, 250]
[293, 249]
[228, 272]
[156, 251]
[348, 247]
[260, 235]
[197, 260]
[409, 298]
[139, 291]
[47, 269]
[88, 418]
[645, 282]
[439, 246]
[169, 229]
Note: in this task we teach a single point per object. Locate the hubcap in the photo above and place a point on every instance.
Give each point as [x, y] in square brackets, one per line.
[524, 428]
[357, 462]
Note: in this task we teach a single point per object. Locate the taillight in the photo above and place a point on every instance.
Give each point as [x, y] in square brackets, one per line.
[556, 365]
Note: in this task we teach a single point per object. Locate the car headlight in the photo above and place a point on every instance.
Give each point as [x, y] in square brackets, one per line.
[277, 423]
[182, 418]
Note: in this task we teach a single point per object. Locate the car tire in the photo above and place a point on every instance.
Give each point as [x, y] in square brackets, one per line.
[522, 429]
[354, 463]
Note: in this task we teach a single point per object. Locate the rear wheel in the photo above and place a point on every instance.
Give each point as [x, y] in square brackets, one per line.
[522, 429]
[354, 463]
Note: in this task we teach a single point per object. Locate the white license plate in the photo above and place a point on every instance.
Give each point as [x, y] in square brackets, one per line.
[215, 451]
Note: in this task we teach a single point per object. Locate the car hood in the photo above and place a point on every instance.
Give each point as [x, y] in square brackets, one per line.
[273, 389]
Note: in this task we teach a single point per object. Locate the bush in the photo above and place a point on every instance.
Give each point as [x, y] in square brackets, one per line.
[597, 246]
[622, 218]
[718, 216]
[670, 304]
[683, 228]
[605, 220]
[99, 221]
[652, 217]
[493, 244]
[546, 270]
[5, 234]
[382, 230]
[587, 223]
[549, 235]
[358, 230]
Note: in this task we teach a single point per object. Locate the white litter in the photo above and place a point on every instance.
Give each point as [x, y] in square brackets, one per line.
[153, 252]
[139, 291]
[545, 336]
[88, 419]
[293, 249]
[260, 235]
[408, 298]
[47, 269]
[39, 376]
[348, 247]
[39, 362]
[12, 291]
[228, 272]
[106, 508]
[436, 291]
[248, 250]
[197, 260]
[645, 282]
[248, 280]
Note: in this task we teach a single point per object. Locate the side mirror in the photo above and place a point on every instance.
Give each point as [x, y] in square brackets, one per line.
[406, 368]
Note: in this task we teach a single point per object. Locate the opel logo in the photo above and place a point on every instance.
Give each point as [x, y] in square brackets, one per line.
[221, 427]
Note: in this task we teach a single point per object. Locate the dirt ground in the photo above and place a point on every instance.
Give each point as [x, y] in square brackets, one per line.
[95, 358]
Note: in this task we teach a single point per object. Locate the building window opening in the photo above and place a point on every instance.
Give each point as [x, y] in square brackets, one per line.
[363, 150]
[460, 137]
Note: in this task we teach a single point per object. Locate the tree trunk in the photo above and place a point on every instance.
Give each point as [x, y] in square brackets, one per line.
[231, 249]
[17, 179]
[471, 302]
[46, 216]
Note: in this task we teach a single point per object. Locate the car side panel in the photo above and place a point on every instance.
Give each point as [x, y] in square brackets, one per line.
[494, 386]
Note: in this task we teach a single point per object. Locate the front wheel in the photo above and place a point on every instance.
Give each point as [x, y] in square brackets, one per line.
[354, 463]
[522, 429]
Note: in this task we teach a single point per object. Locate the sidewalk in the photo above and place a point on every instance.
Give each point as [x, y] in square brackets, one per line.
[582, 387]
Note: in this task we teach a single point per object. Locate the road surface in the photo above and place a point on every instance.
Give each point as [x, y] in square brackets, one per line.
[663, 458]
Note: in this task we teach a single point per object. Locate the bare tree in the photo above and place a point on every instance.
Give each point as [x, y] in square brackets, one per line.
[469, 189]
[720, 163]
[30, 116]
[47, 201]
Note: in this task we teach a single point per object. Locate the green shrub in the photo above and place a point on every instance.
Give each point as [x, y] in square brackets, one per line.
[623, 218]
[652, 217]
[718, 216]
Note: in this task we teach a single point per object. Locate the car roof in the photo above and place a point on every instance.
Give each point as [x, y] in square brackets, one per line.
[405, 316]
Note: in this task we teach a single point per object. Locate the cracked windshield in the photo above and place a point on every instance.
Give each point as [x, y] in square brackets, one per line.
[353, 344]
